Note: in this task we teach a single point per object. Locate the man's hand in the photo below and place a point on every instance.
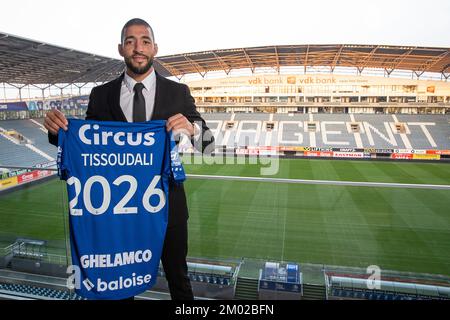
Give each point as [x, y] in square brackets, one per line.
[180, 124]
[55, 119]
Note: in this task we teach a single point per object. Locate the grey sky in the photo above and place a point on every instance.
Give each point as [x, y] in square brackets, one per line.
[186, 26]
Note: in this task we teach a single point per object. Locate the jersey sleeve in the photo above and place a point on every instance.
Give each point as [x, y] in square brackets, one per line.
[176, 168]
[60, 159]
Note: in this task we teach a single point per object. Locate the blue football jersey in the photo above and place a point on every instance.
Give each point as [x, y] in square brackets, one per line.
[117, 176]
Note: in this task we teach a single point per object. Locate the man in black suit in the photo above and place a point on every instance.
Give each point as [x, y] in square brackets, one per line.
[140, 94]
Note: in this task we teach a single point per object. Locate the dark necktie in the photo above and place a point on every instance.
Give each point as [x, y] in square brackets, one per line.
[139, 104]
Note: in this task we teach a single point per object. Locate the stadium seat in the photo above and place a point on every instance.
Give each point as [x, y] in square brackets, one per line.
[40, 292]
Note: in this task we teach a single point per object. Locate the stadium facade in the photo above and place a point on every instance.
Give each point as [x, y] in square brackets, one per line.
[321, 93]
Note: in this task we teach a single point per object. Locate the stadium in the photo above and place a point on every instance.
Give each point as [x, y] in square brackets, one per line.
[329, 179]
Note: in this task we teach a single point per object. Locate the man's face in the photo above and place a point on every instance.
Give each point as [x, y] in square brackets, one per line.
[138, 49]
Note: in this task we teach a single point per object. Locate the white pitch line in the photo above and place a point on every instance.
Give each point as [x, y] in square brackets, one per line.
[324, 182]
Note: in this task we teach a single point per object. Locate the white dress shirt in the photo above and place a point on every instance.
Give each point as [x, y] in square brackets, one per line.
[127, 95]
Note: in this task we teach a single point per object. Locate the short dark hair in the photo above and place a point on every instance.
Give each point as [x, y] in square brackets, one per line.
[135, 22]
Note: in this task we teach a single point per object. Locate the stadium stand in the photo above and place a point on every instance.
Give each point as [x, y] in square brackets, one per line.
[238, 130]
[26, 142]
[373, 295]
[370, 295]
[18, 154]
[357, 288]
[331, 130]
[208, 273]
[207, 279]
[34, 132]
[37, 292]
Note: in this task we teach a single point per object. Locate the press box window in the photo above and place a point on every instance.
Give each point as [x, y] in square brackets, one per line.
[270, 126]
[400, 127]
[229, 125]
[311, 126]
[354, 127]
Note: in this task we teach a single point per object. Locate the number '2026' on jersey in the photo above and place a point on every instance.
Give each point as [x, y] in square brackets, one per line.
[117, 177]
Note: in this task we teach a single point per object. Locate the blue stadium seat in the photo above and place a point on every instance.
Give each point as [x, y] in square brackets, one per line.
[40, 292]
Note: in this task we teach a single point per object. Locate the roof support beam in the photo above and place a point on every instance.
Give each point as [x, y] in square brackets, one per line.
[169, 67]
[277, 60]
[418, 73]
[17, 87]
[79, 87]
[363, 64]
[41, 88]
[336, 58]
[249, 61]
[401, 58]
[432, 62]
[447, 67]
[4, 92]
[388, 71]
[224, 66]
[196, 66]
[306, 59]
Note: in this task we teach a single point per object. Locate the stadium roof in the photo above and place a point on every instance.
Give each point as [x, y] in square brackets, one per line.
[390, 58]
[24, 61]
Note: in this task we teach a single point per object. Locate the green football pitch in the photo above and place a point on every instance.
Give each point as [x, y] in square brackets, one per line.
[401, 229]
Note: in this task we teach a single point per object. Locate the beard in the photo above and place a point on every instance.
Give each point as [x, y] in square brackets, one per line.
[136, 69]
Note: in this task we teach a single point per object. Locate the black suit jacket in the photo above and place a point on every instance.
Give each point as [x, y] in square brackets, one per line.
[170, 98]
